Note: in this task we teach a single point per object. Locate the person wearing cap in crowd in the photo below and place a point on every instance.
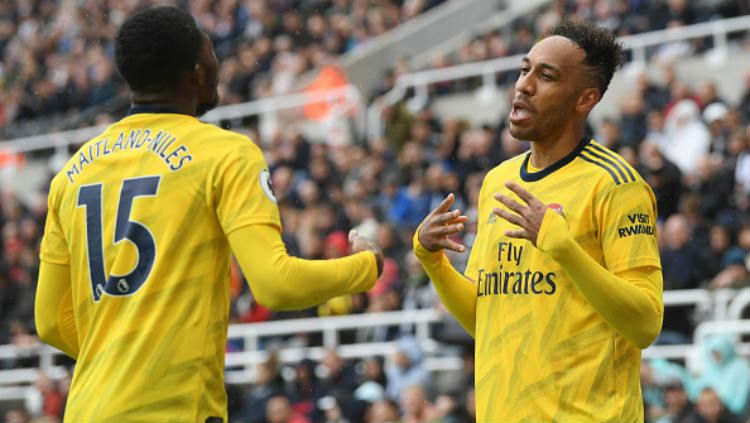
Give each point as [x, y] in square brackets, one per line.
[714, 115]
[687, 138]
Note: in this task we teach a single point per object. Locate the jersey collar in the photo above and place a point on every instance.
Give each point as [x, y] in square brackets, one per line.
[151, 108]
[527, 176]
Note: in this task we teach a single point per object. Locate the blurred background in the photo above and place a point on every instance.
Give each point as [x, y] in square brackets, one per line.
[369, 112]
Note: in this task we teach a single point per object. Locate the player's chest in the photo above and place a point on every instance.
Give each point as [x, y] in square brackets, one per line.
[573, 199]
[508, 267]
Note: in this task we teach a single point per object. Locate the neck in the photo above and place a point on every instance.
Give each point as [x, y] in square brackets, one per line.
[179, 105]
[547, 151]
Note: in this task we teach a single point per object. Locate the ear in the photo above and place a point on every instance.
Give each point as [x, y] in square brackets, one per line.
[587, 99]
[199, 73]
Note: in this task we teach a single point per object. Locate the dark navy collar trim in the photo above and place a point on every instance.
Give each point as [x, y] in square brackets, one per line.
[151, 108]
[535, 176]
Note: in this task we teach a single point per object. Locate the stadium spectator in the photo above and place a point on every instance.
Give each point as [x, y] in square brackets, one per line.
[679, 409]
[687, 139]
[339, 378]
[471, 404]
[744, 105]
[663, 176]
[279, 410]
[710, 407]
[267, 385]
[406, 369]
[742, 169]
[52, 400]
[725, 374]
[448, 409]
[415, 406]
[716, 115]
[304, 389]
[374, 372]
[333, 412]
[383, 411]
[633, 116]
[653, 396]
[678, 260]
[17, 415]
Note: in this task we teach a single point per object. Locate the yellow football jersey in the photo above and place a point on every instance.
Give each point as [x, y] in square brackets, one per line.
[140, 214]
[542, 353]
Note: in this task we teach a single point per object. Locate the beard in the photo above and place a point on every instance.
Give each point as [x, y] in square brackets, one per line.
[539, 128]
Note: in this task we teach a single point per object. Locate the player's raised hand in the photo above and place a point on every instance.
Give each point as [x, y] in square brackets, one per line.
[528, 217]
[359, 243]
[439, 225]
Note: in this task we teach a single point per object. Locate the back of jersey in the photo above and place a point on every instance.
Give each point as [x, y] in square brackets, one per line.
[140, 215]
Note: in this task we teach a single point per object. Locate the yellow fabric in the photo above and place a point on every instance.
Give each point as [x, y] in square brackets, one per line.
[279, 281]
[630, 301]
[53, 311]
[552, 343]
[151, 341]
[457, 293]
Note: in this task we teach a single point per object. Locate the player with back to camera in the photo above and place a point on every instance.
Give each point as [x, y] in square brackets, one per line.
[563, 288]
[142, 223]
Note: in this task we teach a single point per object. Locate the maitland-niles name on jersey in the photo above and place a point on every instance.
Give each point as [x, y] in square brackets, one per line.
[158, 144]
[519, 282]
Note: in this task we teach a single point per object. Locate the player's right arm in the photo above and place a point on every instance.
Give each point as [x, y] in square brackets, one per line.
[281, 282]
[456, 291]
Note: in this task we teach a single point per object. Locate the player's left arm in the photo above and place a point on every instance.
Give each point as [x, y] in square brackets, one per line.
[53, 308]
[628, 292]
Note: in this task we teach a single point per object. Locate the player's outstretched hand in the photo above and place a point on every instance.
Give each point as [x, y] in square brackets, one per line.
[528, 217]
[360, 243]
[439, 225]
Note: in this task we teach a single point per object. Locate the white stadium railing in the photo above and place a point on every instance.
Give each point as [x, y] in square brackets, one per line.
[371, 117]
[343, 100]
[728, 306]
[420, 81]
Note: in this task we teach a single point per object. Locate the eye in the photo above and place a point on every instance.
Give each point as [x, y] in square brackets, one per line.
[524, 70]
[547, 77]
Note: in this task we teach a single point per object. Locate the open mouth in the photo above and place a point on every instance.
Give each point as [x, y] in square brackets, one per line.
[519, 112]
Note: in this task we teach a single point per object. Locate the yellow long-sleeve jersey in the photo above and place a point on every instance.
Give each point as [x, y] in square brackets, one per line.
[559, 325]
[134, 281]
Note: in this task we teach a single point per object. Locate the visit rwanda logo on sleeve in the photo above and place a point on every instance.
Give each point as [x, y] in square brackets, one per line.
[636, 224]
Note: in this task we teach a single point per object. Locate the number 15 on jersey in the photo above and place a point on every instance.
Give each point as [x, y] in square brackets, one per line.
[90, 197]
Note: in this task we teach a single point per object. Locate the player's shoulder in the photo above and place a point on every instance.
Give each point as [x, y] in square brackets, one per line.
[229, 139]
[610, 168]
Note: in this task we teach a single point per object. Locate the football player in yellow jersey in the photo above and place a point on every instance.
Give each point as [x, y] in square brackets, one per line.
[563, 288]
[143, 219]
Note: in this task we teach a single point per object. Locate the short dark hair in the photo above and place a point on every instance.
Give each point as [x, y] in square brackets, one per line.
[603, 53]
[155, 46]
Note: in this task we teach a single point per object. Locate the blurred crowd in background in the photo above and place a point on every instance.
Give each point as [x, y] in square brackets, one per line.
[690, 144]
[58, 55]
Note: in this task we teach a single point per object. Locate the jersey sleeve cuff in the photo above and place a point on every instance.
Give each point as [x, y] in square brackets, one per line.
[423, 254]
[553, 233]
